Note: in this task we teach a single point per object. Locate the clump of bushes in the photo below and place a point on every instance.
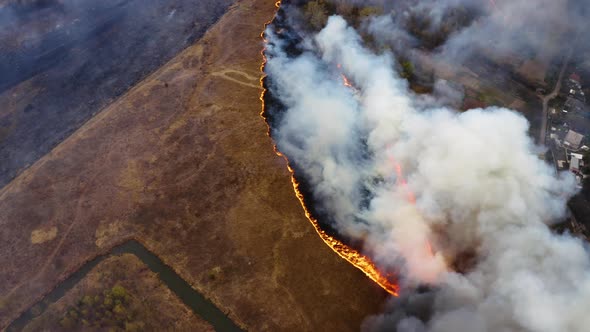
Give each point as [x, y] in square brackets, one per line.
[316, 12]
[107, 310]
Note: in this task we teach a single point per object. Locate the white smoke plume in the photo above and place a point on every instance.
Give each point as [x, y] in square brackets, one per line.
[424, 187]
[541, 27]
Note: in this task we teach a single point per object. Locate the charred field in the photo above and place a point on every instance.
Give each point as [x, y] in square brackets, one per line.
[63, 61]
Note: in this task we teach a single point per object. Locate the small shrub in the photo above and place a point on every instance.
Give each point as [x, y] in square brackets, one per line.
[316, 14]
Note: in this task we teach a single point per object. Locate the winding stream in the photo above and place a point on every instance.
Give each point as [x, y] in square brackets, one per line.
[190, 297]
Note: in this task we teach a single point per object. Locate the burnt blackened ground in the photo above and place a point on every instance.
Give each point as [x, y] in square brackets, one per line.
[62, 61]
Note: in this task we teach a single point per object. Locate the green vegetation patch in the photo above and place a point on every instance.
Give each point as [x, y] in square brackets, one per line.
[108, 310]
[316, 12]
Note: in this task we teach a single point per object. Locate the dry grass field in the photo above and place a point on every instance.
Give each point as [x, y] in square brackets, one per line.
[183, 164]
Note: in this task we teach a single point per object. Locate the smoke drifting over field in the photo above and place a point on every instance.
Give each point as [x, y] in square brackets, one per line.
[456, 201]
[459, 29]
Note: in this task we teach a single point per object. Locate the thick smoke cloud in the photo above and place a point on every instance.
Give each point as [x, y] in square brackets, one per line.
[456, 201]
[518, 28]
[513, 27]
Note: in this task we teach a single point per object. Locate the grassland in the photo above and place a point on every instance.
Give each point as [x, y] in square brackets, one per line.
[183, 163]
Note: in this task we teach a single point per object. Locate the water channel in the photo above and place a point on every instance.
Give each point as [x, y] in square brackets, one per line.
[190, 297]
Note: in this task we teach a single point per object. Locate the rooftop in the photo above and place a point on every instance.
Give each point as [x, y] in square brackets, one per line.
[578, 122]
[575, 77]
[573, 140]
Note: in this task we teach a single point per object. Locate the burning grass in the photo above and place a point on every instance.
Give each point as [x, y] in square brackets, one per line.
[354, 257]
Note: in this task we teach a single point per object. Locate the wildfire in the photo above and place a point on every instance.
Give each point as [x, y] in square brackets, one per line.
[354, 257]
[402, 181]
[409, 197]
[345, 79]
[351, 255]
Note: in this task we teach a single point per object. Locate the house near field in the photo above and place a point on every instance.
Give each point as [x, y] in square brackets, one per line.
[573, 140]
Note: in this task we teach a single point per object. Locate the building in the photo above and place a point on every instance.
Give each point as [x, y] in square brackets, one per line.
[578, 122]
[573, 140]
[576, 78]
[576, 162]
[574, 105]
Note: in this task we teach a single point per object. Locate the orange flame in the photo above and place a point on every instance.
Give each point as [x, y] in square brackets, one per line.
[409, 196]
[354, 257]
[345, 79]
[360, 261]
[402, 181]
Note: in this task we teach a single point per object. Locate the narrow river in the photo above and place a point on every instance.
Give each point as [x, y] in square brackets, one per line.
[191, 298]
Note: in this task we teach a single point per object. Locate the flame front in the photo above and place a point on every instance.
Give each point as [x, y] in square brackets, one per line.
[354, 257]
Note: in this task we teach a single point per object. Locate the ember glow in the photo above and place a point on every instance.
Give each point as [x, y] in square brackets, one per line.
[358, 260]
